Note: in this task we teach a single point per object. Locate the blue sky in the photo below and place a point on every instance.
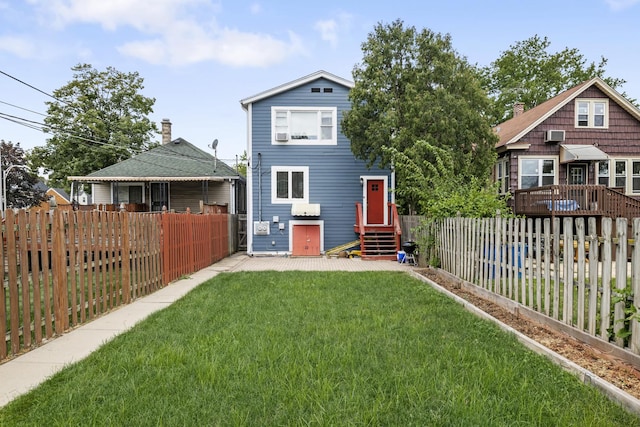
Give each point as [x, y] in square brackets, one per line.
[199, 58]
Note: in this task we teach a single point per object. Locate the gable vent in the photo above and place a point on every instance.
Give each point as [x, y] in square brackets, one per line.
[554, 136]
[315, 89]
[328, 89]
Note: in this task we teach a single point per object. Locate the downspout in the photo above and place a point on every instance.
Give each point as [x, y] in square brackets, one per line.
[260, 187]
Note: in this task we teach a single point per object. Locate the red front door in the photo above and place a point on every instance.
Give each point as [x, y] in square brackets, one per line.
[306, 240]
[375, 202]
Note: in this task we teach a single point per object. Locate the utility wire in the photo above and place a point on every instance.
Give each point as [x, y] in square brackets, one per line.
[22, 108]
[44, 128]
[33, 87]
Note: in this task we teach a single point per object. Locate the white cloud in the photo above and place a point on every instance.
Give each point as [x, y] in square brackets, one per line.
[617, 5]
[328, 31]
[331, 29]
[255, 8]
[173, 32]
[230, 47]
[18, 46]
[144, 15]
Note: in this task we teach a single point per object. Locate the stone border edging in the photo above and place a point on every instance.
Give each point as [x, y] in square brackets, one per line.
[587, 377]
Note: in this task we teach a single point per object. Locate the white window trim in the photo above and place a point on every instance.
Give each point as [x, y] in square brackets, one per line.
[613, 175]
[274, 184]
[630, 176]
[591, 102]
[597, 171]
[556, 162]
[334, 131]
[628, 188]
[504, 179]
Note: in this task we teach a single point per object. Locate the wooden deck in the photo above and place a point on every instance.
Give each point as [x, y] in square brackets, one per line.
[575, 200]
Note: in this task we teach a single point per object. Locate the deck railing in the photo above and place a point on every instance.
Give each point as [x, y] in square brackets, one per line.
[575, 200]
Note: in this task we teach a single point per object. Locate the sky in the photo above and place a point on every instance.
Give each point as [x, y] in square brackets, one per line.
[199, 58]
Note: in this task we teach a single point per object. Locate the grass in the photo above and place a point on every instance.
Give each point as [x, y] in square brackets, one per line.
[300, 348]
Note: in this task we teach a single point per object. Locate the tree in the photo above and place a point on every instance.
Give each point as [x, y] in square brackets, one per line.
[527, 72]
[410, 86]
[438, 191]
[98, 119]
[22, 191]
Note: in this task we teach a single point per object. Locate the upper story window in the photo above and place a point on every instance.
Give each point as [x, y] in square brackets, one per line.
[592, 113]
[304, 125]
[536, 172]
[289, 184]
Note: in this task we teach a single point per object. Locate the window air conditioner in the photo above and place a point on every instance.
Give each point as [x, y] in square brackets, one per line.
[282, 136]
[554, 136]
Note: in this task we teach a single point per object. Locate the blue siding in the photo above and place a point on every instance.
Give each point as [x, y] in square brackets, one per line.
[334, 173]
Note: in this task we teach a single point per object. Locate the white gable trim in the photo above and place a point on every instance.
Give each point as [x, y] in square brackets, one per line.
[298, 82]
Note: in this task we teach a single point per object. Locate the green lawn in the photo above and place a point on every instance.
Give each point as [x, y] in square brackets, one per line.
[300, 348]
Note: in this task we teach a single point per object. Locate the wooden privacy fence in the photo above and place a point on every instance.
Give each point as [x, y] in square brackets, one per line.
[562, 269]
[64, 268]
[192, 242]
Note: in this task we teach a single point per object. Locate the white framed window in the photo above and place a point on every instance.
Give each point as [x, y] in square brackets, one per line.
[603, 173]
[620, 174]
[635, 176]
[536, 172]
[502, 175]
[289, 184]
[125, 192]
[592, 113]
[304, 125]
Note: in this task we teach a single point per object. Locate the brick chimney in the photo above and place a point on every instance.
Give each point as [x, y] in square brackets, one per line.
[518, 109]
[166, 131]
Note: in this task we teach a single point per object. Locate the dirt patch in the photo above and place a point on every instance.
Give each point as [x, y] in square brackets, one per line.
[612, 370]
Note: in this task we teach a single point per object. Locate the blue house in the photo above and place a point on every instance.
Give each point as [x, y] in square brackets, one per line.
[307, 193]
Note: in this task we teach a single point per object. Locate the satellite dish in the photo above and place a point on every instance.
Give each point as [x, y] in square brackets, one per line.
[214, 144]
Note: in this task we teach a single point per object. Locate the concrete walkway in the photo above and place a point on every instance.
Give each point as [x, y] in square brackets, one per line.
[25, 372]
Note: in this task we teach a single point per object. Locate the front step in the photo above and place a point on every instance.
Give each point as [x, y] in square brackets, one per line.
[379, 244]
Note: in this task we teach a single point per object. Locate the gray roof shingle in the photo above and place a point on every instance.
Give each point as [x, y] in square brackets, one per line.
[178, 160]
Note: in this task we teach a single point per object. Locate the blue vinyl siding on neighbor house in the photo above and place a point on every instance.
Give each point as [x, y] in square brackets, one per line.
[333, 172]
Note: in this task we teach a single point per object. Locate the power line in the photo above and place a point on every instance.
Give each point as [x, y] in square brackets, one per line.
[32, 124]
[33, 87]
[45, 128]
[22, 108]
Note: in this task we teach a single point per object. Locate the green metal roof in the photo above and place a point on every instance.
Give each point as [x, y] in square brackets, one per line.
[177, 161]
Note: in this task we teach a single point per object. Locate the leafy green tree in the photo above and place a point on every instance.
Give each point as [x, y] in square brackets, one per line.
[439, 192]
[528, 72]
[412, 85]
[21, 185]
[98, 119]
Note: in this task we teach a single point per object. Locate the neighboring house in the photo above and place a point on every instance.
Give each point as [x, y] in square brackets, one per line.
[577, 154]
[83, 198]
[56, 198]
[176, 175]
[306, 189]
